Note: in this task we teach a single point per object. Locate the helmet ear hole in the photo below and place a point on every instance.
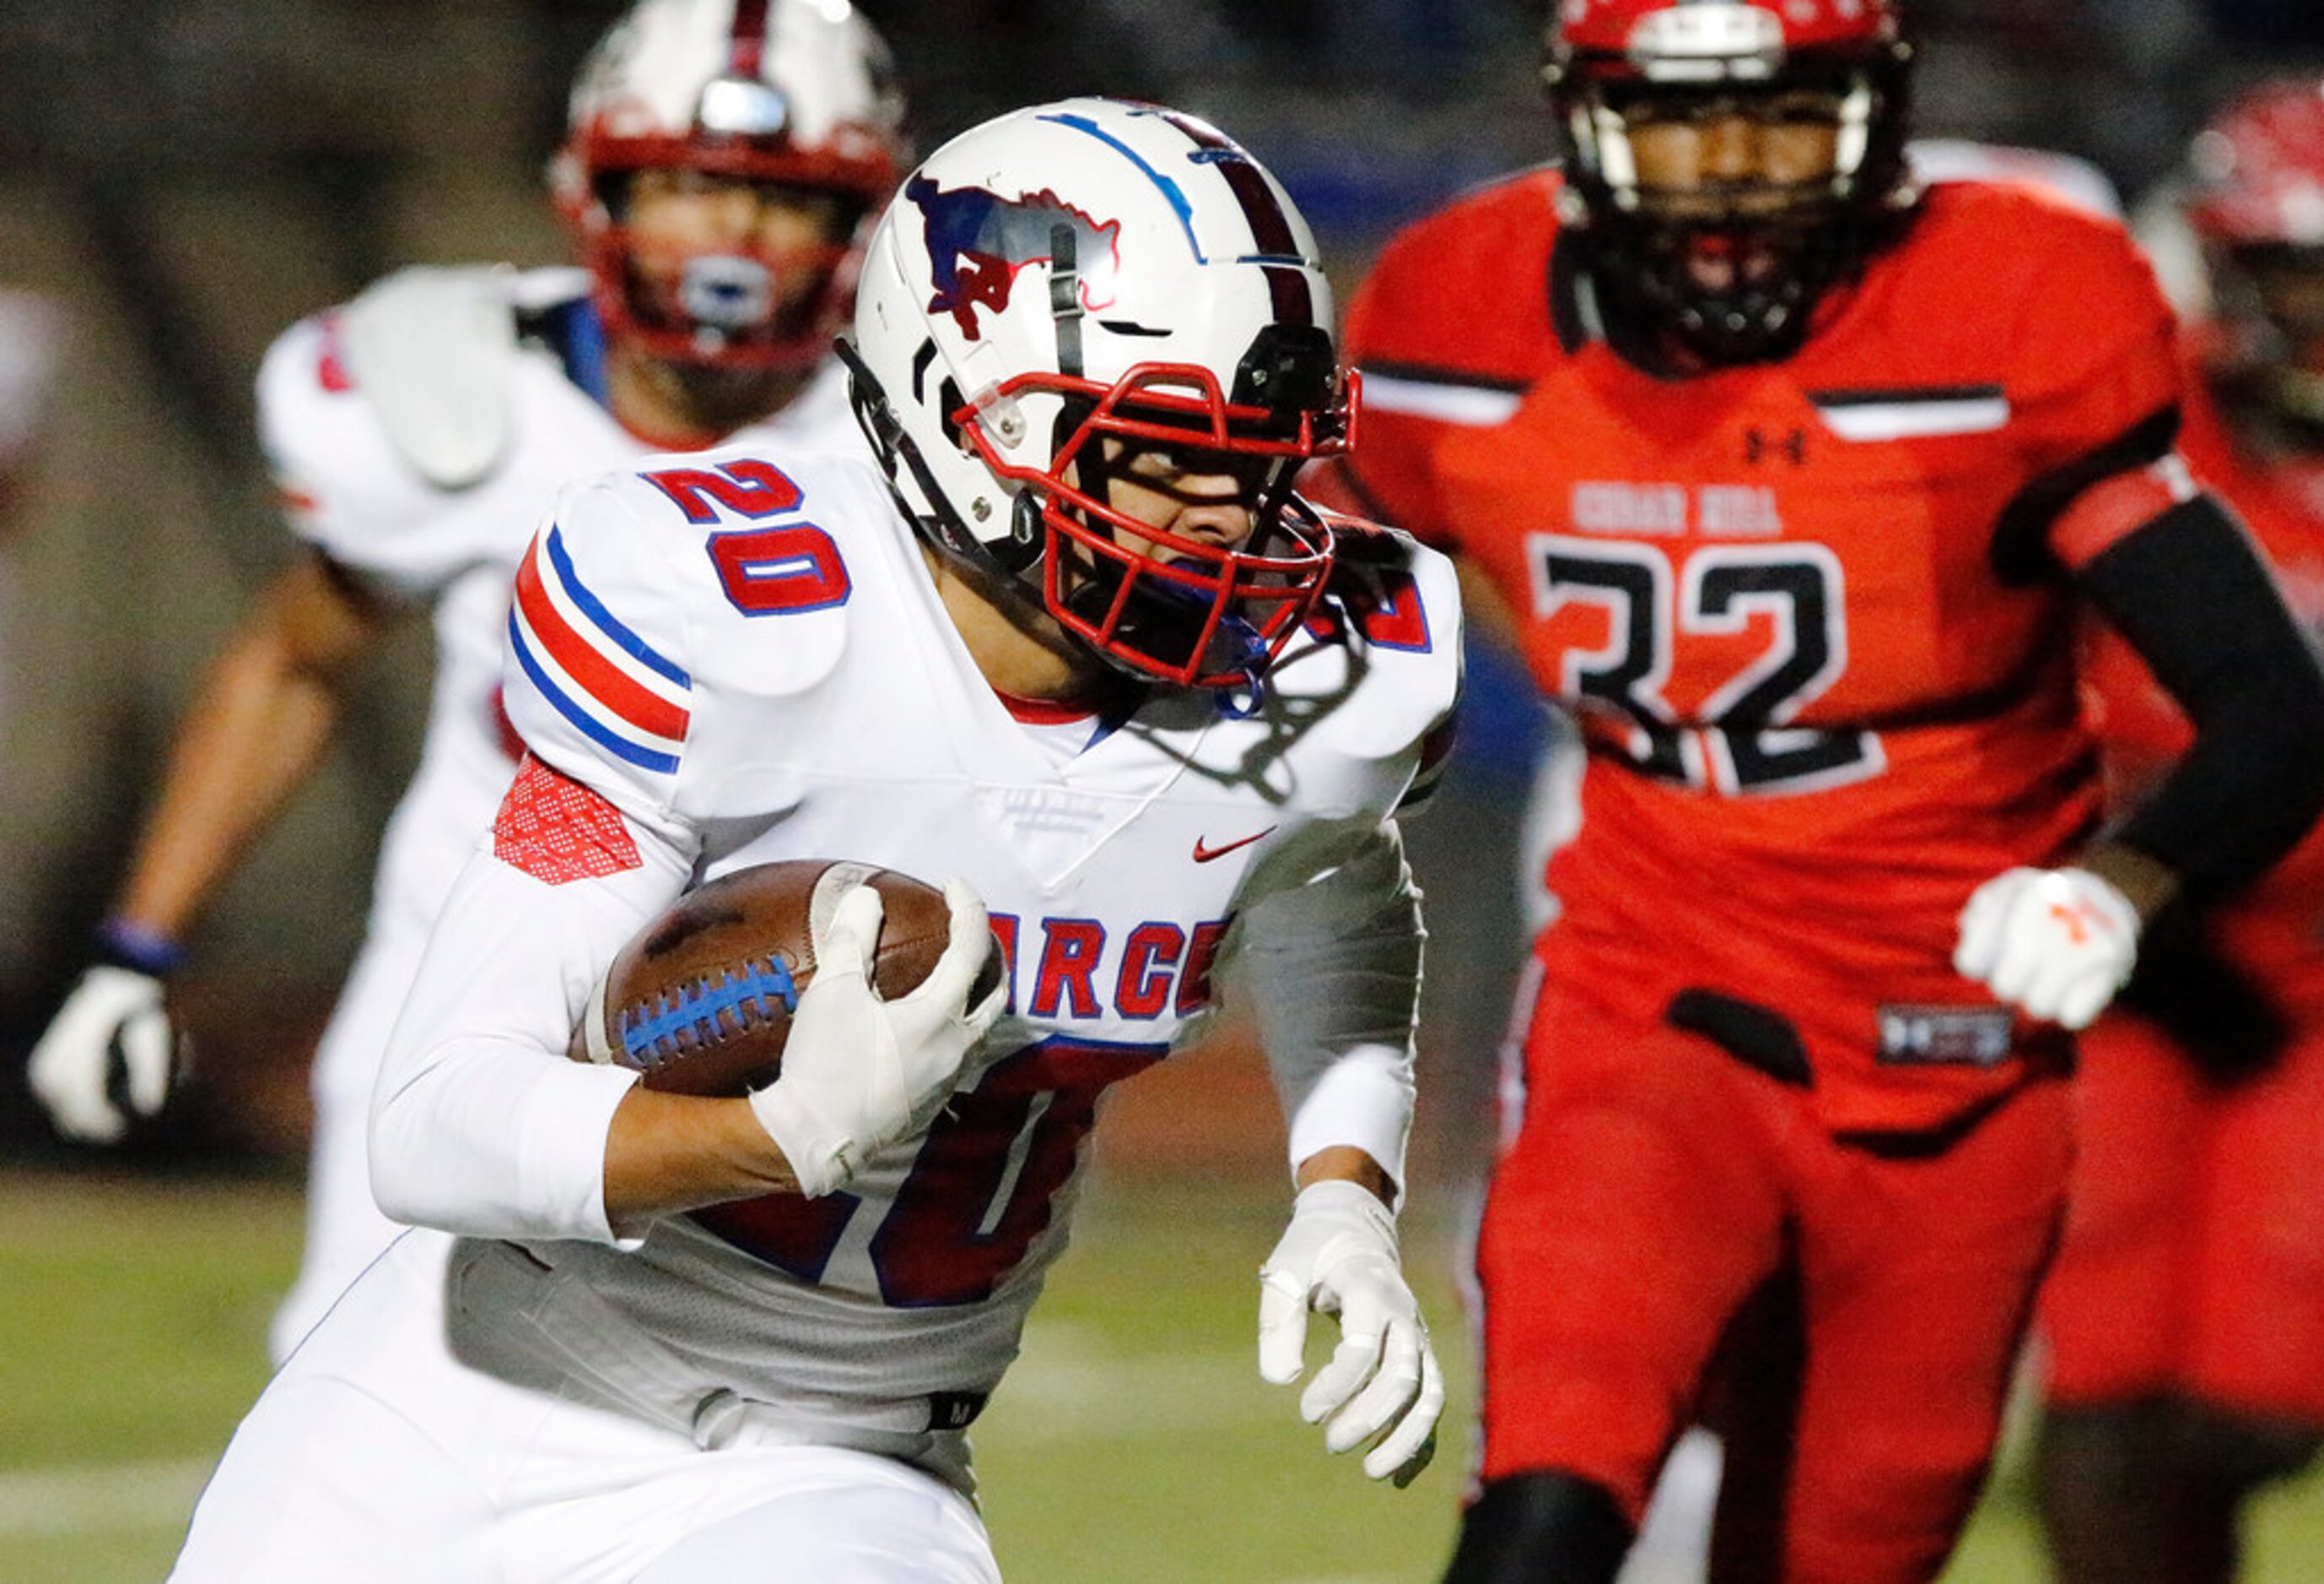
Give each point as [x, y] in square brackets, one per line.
[949, 402]
[610, 190]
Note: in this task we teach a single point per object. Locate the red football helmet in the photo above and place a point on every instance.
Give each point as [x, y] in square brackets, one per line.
[794, 94]
[2256, 202]
[1728, 268]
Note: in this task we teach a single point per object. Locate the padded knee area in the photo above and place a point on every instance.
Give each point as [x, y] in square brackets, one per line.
[1541, 1527]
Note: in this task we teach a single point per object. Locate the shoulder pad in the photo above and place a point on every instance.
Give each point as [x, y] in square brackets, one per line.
[1388, 591]
[1364, 542]
[434, 350]
[2070, 181]
[1365, 557]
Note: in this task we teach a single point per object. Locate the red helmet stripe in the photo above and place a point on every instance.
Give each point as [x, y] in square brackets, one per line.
[1200, 135]
[1293, 299]
[749, 37]
[1268, 226]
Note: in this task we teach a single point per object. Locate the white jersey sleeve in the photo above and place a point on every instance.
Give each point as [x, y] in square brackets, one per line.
[1332, 939]
[596, 681]
[1334, 965]
[615, 666]
[479, 1124]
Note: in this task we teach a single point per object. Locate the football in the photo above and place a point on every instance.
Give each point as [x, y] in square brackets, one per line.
[700, 1000]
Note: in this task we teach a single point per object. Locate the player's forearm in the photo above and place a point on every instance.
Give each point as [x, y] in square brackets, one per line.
[666, 1153]
[2146, 882]
[506, 1147]
[493, 1137]
[267, 708]
[252, 739]
[1334, 969]
[1346, 1164]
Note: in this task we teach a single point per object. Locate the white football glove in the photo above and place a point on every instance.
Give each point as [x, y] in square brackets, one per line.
[859, 1073]
[2056, 941]
[112, 1041]
[1339, 1256]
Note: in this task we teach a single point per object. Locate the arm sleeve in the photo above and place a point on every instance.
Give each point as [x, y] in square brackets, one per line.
[1333, 966]
[479, 1125]
[2191, 594]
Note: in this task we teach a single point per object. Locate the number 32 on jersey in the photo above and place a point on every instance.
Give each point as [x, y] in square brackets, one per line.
[1688, 620]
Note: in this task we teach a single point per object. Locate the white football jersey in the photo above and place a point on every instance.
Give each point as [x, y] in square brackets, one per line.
[352, 492]
[744, 654]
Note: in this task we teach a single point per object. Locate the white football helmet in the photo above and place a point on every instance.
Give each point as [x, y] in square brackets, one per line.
[1093, 269]
[794, 93]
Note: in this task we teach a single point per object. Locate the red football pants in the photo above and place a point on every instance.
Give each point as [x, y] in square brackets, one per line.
[1656, 1183]
[2193, 1260]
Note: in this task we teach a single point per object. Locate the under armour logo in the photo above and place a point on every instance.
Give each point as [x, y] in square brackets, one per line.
[1757, 446]
[2079, 920]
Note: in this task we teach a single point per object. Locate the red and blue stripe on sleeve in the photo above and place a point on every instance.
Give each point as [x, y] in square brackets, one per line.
[615, 688]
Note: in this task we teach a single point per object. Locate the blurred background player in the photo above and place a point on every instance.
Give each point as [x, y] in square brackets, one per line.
[723, 163]
[1793, 478]
[1071, 639]
[2184, 1318]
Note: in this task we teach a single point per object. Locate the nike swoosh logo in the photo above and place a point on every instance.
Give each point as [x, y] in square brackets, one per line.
[1204, 854]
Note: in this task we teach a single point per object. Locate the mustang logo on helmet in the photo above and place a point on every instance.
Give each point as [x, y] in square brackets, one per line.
[978, 241]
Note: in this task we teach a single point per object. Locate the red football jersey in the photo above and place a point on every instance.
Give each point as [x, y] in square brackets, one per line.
[1809, 613]
[2275, 931]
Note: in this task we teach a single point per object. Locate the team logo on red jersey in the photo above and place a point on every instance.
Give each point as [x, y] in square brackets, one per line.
[978, 241]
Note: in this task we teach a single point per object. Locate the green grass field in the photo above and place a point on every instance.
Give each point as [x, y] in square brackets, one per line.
[1135, 1441]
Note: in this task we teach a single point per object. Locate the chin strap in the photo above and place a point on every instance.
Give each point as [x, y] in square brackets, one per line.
[1065, 299]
